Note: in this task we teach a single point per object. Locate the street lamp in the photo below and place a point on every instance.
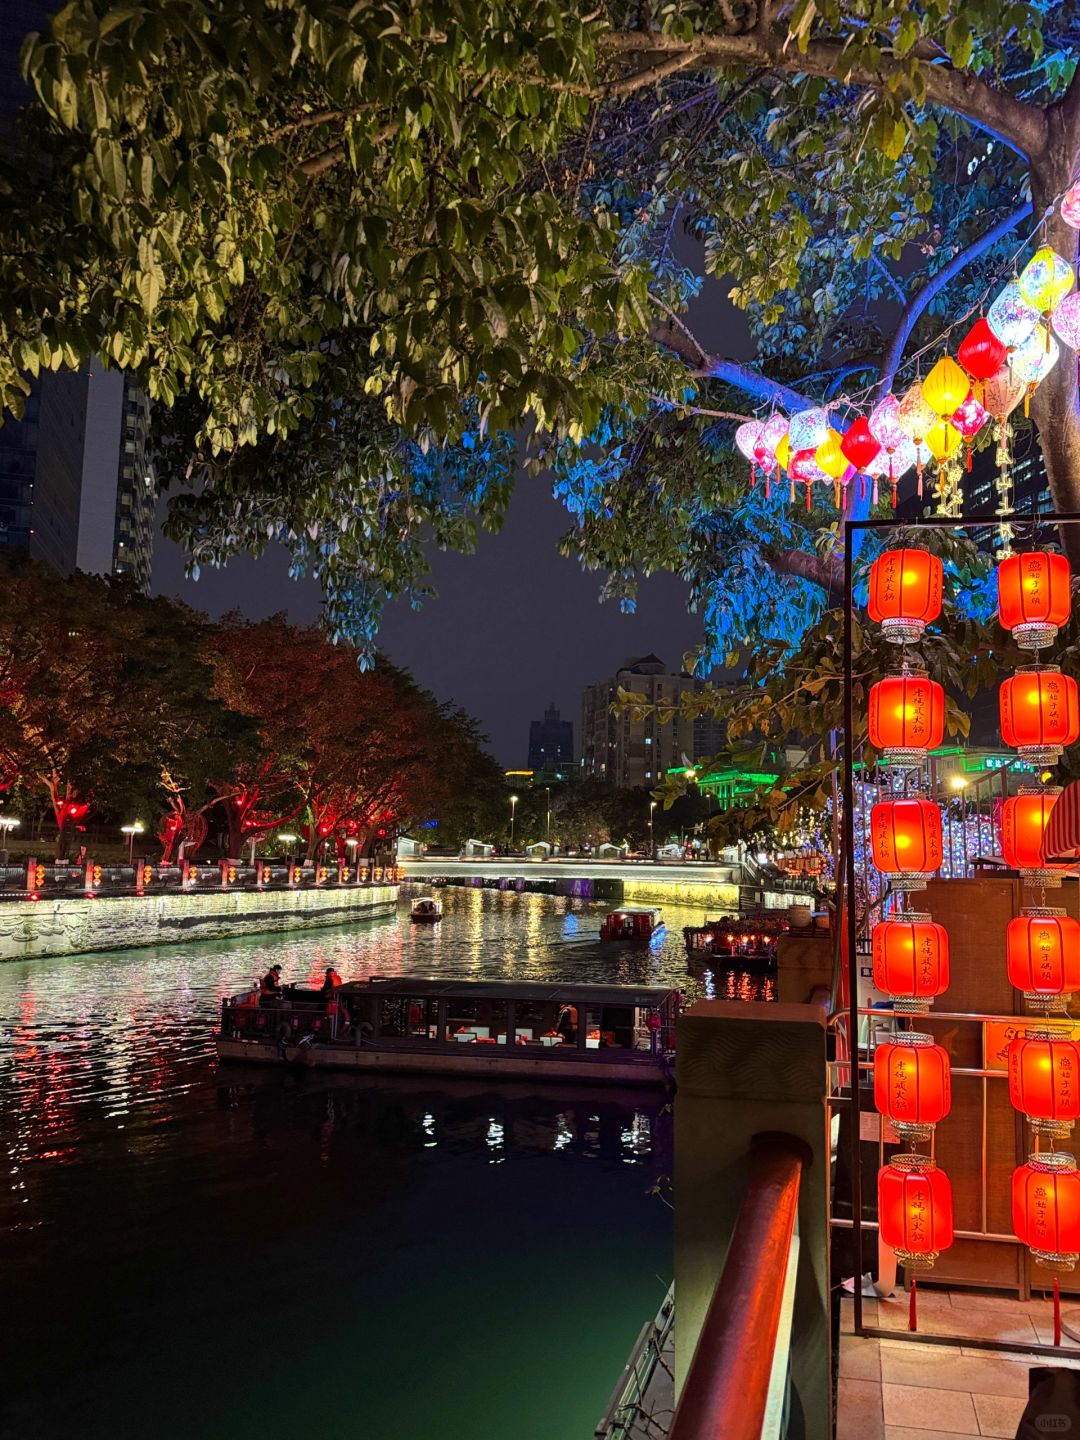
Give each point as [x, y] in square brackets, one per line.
[513, 808]
[547, 792]
[288, 839]
[652, 838]
[7, 824]
[131, 831]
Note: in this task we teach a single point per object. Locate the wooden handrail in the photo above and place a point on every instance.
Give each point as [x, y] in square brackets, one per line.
[727, 1386]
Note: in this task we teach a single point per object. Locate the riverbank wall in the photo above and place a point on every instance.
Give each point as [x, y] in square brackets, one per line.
[73, 925]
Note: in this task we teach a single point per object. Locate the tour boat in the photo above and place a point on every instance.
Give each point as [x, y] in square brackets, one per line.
[735, 937]
[621, 1034]
[632, 924]
[425, 911]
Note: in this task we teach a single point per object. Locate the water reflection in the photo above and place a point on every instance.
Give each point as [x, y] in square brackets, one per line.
[182, 1222]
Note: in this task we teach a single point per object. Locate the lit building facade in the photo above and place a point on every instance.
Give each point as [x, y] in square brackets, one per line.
[630, 750]
[551, 746]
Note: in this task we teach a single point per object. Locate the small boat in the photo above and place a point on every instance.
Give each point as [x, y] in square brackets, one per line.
[632, 924]
[425, 911]
[748, 939]
[623, 1034]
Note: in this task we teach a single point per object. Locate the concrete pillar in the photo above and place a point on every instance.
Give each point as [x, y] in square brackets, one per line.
[744, 1069]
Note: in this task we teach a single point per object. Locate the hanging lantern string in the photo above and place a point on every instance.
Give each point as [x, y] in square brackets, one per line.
[859, 399]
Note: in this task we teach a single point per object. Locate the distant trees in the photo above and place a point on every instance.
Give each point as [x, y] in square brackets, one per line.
[112, 704]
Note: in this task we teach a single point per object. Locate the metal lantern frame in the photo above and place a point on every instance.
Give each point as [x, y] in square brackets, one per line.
[1028, 527]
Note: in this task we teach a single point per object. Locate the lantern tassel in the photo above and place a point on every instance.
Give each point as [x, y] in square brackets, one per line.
[862, 478]
[874, 495]
[791, 495]
[894, 494]
[1027, 401]
[913, 1308]
[836, 493]
[768, 486]
[918, 467]
[808, 496]
[753, 476]
[1057, 1312]
[967, 455]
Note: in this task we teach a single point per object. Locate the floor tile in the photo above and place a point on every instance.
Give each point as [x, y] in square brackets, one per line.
[1025, 1359]
[903, 1432]
[1014, 1327]
[949, 1370]
[860, 1359]
[998, 1414]
[919, 1407]
[858, 1410]
[906, 1433]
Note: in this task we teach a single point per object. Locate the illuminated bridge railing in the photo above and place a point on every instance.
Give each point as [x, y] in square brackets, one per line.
[39, 880]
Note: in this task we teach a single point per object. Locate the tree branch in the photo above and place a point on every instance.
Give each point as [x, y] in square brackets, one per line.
[678, 336]
[1023, 126]
[808, 566]
[918, 303]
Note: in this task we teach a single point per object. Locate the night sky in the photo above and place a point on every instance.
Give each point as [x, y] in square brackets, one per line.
[515, 625]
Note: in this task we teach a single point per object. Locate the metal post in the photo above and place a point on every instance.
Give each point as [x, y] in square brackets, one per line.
[852, 923]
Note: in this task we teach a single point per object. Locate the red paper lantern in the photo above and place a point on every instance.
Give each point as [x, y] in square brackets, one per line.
[911, 961]
[1040, 713]
[1024, 819]
[915, 1212]
[859, 445]
[912, 1084]
[1046, 1209]
[1044, 1081]
[905, 593]
[905, 838]
[1042, 951]
[1034, 597]
[907, 718]
[981, 353]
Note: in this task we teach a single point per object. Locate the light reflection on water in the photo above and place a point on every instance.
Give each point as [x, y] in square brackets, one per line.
[135, 1167]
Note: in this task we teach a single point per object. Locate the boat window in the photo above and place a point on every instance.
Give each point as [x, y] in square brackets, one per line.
[536, 1023]
[476, 1022]
[393, 1017]
[609, 1027]
[408, 1017]
[423, 1018]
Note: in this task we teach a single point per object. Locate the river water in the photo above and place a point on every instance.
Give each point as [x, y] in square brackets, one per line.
[188, 1251]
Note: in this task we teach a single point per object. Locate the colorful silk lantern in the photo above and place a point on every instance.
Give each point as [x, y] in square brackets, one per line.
[1011, 317]
[1046, 1209]
[981, 353]
[803, 467]
[747, 437]
[808, 429]
[783, 451]
[765, 461]
[905, 841]
[942, 440]
[1042, 955]
[915, 417]
[945, 387]
[893, 465]
[905, 593]
[915, 1211]
[1033, 360]
[969, 418]
[1066, 320]
[1040, 713]
[1046, 279]
[860, 445]
[907, 718]
[1002, 393]
[1024, 819]
[832, 460]
[774, 430]
[1044, 1081]
[1034, 596]
[1070, 207]
[912, 1084]
[911, 961]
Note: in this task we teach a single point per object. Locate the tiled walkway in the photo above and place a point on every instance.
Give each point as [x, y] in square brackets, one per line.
[901, 1390]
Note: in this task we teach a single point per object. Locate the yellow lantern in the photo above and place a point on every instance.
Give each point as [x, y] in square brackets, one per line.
[945, 388]
[833, 461]
[1046, 279]
[783, 451]
[943, 440]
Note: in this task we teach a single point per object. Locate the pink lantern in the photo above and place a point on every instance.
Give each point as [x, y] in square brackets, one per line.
[893, 464]
[804, 467]
[774, 430]
[767, 463]
[1011, 318]
[1002, 393]
[747, 437]
[885, 423]
[1066, 318]
[1070, 207]
[969, 418]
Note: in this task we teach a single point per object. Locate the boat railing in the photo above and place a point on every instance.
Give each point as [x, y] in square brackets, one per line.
[641, 1403]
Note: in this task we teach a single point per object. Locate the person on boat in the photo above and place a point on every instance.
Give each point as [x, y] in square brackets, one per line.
[270, 986]
[653, 1024]
[334, 1007]
[567, 1024]
[331, 983]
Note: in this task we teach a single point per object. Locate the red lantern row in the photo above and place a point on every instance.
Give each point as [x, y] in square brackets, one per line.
[906, 841]
[1034, 597]
[915, 1210]
[1046, 1209]
[911, 961]
[912, 1084]
[1024, 819]
[905, 593]
[1040, 713]
[1042, 950]
[1044, 1081]
[907, 718]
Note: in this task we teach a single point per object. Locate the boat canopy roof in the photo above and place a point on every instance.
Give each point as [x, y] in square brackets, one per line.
[637, 910]
[642, 995]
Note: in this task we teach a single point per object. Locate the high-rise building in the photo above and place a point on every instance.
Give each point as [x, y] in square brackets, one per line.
[551, 746]
[632, 750]
[77, 486]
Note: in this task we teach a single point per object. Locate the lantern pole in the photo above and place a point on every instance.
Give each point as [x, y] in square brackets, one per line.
[850, 528]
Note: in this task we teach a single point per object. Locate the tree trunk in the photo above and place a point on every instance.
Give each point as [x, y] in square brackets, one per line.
[234, 819]
[1054, 405]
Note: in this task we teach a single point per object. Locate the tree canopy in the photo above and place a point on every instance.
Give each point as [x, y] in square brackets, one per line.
[367, 256]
